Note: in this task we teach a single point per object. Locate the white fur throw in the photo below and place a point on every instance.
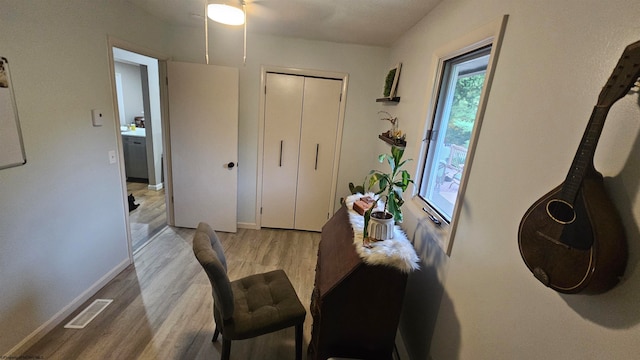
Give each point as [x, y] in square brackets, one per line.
[397, 252]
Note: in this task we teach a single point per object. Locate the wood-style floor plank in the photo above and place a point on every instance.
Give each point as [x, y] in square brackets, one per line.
[150, 217]
[162, 306]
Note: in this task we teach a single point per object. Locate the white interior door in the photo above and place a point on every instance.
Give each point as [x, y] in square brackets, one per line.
[203, 118]
[320, 114]
[283, 110]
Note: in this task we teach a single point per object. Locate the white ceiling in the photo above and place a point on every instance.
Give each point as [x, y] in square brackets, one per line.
[366, 22]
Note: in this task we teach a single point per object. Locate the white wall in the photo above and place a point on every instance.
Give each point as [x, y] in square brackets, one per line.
[365, 65]
[482, 302]
[62, 215]
[131, 91]
[62, 228]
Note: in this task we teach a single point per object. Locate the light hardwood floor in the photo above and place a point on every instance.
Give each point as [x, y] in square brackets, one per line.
[162, 306]
[150, 217]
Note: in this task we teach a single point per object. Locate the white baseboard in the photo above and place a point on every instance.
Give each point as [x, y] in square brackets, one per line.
[252, 226]
[155, 187]
[58, 318]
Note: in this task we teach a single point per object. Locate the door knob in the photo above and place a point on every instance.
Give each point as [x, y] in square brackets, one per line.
[231, 165]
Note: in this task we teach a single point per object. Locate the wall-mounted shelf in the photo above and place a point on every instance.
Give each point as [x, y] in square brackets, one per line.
[396, 143]
[395, 99]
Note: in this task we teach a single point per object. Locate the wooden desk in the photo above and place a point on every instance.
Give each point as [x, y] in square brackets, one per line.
[355, 306]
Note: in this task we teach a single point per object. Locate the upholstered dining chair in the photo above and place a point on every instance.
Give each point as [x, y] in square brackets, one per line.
[247, 307]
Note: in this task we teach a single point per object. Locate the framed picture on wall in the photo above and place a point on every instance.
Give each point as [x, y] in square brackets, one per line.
[11, 146]
[391, 81]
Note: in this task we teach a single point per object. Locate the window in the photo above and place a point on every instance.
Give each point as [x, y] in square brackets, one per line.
[462, 78]
[455, 116]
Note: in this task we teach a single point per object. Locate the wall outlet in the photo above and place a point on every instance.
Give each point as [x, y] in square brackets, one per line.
[112, 156]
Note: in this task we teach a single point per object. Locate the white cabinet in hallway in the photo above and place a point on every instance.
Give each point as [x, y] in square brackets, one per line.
[301, 127]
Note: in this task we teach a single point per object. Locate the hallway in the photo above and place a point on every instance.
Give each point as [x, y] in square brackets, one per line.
[150, 217]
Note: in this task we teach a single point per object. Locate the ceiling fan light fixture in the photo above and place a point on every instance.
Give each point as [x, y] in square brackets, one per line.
[225, 14]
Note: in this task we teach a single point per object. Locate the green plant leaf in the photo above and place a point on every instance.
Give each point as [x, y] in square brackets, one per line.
[373, 179]
[355, 189]
[367, 217]
[383, 181]
[389, 185]
[397, 152]
[394, 207]
[398, 192]
[392, 164]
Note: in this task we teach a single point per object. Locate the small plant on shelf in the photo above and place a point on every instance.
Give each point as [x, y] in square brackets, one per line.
[393, 136]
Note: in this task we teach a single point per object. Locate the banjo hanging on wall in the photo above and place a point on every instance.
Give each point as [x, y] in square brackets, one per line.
[572, 239]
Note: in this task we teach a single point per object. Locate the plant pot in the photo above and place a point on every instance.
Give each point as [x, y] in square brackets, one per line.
[381, 225]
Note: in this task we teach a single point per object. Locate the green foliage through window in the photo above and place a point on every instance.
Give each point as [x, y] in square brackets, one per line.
[463, 110]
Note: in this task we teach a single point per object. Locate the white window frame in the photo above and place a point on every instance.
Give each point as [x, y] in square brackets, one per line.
[490, 34]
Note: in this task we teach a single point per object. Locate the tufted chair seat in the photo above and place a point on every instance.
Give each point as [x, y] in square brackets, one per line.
[247, 307]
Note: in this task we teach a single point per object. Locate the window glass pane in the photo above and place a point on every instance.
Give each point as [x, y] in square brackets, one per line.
[453, 123]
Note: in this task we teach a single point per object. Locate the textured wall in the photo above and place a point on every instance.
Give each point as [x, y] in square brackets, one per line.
[482, 302]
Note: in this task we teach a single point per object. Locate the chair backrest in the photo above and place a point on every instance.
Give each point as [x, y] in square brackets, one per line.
[457, 156]
[208, 251]
[215, 242]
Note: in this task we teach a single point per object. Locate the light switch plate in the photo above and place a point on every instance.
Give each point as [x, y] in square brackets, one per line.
[112, 156]
[96, 117]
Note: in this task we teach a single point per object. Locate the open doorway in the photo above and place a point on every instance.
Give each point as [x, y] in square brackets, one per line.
[139, 110]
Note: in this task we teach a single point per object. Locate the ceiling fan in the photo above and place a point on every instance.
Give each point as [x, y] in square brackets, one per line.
[228, 12]
[235, 13]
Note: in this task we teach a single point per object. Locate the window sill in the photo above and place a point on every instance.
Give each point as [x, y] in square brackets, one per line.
[440, 233]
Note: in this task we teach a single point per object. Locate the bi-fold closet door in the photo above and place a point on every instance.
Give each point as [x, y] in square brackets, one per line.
[300, 132]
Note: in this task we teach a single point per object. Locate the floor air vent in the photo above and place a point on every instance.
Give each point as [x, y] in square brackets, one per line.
[88, 314]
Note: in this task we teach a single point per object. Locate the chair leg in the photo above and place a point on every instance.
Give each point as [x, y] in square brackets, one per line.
[216, 332]
[226, 349]
[299, 328]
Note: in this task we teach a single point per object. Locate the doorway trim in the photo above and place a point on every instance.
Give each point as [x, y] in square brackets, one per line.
[344, 77]
[162, 69]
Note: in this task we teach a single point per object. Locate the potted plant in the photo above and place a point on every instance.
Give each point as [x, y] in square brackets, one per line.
[390, 186]
[354, 189]
[393, 136]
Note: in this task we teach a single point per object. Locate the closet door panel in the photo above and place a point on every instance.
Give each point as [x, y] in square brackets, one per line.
[283, 109]
[320, 114]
